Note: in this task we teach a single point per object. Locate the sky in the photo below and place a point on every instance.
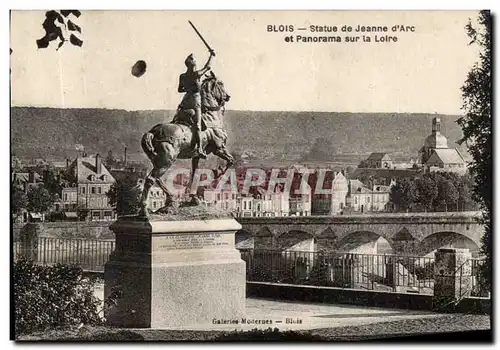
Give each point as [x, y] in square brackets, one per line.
[420, 73]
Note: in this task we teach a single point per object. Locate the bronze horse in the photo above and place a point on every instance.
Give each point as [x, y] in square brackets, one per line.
[165, 143]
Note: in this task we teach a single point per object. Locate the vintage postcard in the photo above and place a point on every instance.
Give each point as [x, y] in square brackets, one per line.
[251, 175]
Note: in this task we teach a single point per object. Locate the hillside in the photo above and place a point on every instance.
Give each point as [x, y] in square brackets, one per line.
[309, 136]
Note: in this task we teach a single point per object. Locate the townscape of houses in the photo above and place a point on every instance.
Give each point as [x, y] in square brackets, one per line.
[367, 189]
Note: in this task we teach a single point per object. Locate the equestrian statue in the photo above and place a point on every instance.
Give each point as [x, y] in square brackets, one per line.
[196, 130]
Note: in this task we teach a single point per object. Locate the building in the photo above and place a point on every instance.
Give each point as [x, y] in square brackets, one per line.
[300, 205]
[379, 161]
[223, 200]
[25, 180]
[92, 181]
[380, 194]
[435, 155]
[362, 198]
[255, 204]
[447, 160]
[331, 203]
[386, 176]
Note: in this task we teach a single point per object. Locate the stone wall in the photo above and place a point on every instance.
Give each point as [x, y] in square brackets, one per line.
[77, 229]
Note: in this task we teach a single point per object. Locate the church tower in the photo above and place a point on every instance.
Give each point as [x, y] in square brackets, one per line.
[435, 140]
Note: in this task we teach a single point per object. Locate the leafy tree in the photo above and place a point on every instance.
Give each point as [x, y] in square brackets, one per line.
[39, 199]
[52, 180]
[476, 125]
[447, 193]
[18, 200]
[363, 164]
[404, 194]
[124, 196]
[427, 191]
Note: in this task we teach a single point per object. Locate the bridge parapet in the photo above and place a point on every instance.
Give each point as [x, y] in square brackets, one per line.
[399, 229]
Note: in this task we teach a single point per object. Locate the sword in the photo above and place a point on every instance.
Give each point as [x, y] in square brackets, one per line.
[204, 42]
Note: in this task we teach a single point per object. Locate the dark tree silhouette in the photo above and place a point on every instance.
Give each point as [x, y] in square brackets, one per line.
[476, 126]
[39, 199]
[124, 196]
[404, 194]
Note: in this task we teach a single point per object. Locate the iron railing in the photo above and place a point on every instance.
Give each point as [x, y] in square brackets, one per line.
[89, 254]
[345, 270]
[470, 280]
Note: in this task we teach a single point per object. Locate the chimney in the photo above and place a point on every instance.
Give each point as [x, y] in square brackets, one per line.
[98, 164]
[31, 177]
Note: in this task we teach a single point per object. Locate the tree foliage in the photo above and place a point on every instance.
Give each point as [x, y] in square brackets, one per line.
[18, 200]
[476, 123]
[404, 194]
[39, 199]
[52, 296]
[124, 196]
[427, 191]
[432, 191]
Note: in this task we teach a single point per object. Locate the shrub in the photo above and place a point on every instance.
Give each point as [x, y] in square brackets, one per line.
[52, 296]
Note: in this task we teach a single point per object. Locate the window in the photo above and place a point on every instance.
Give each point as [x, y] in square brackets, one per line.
[226, 205]
[99, 190]
[233, 196]
[249, 205]
[368, 199]
[154, 204]
[92, 189]
[65, 197]
[83, 190]
[218, 196]
[355, 200]
[244, 205]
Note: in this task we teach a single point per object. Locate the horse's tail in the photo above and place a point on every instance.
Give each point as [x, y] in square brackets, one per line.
[147, 145]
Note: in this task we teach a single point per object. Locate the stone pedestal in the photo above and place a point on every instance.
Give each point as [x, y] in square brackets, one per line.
[174, 273]
[452, 277]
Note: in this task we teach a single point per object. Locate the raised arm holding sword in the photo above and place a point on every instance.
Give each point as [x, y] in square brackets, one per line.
[190, 84]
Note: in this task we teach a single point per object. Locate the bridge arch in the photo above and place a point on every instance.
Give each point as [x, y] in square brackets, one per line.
[365, 242]
[447, 239]
[296, 240]
[243, 240]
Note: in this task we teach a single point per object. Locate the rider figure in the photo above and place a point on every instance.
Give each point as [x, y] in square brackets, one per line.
[190, 83]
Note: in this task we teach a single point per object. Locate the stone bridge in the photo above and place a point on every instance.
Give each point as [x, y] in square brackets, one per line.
[398, 233]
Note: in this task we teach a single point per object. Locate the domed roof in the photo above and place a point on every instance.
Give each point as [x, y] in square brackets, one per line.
[436, 140]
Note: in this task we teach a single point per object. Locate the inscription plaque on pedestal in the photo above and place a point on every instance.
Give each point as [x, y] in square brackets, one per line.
[194, 241]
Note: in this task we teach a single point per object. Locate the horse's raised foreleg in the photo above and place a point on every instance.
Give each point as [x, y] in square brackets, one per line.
[224, 154]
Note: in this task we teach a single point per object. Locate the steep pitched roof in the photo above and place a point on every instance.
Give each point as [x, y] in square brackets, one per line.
[375, 156]
[85, 167]
[386, 173]
[447, 156]
[356, 186]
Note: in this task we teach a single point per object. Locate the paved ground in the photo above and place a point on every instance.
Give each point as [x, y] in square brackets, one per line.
[307, 316]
